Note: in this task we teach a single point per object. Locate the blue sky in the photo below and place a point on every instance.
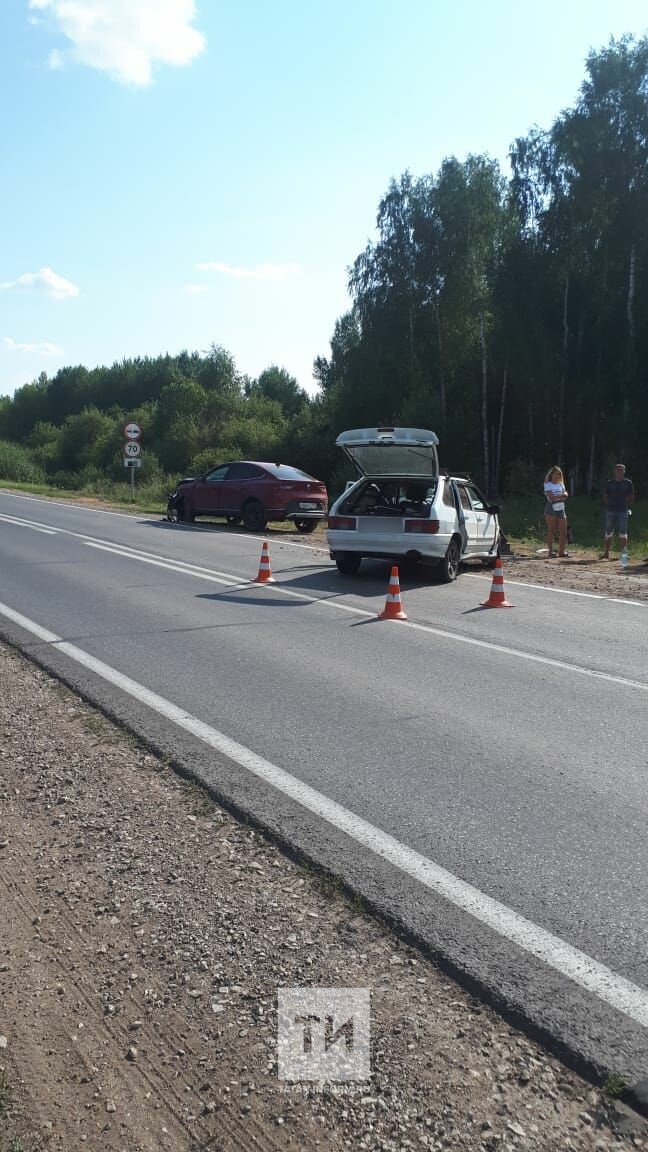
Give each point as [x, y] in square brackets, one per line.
[184, 173]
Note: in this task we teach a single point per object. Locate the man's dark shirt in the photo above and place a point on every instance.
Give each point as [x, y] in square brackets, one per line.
[618, 493]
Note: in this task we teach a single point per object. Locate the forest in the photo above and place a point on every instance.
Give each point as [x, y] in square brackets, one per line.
[508, 312]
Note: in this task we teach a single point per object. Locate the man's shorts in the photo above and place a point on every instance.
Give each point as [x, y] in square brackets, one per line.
[616, 522]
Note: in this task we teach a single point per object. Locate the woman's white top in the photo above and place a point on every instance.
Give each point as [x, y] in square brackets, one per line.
[552, 489]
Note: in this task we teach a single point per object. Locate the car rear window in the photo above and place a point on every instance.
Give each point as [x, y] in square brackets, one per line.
[285, 472]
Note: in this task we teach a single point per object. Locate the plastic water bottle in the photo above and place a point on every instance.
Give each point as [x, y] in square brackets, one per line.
[624, 559]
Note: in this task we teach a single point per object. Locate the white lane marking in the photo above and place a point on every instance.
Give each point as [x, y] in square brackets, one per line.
[324, 551]
[18, 523]
[67, 504]
[199, 573]
[232, 580]
[207, 574]
[204, 574]
[503, 649]
[135, 516]
[29, 625]
[563, 665]
[601, 981]
[566, 591]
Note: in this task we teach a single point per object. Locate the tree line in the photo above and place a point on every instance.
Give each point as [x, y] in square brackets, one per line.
[509, 314]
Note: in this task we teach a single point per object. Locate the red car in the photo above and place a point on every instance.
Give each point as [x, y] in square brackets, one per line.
[254, 493]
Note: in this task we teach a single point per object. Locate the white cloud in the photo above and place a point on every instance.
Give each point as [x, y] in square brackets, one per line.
[126, 38]
[41, 348]
[275, 272]
[194, 289]
[55, 60]
[45, 280]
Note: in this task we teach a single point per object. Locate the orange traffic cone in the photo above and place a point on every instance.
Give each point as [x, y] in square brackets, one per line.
[393, 609]
[497, 599]
[265, 571]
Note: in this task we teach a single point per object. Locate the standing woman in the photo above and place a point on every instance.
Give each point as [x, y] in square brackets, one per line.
[556, 494]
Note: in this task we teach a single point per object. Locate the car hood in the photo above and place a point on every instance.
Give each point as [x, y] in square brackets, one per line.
[397, 452]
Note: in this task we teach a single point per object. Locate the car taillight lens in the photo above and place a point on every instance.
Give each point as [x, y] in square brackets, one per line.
[349, 523]
[430, 526]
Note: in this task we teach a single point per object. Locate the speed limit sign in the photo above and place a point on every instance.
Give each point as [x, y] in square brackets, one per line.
[132, 448]
[132, 431]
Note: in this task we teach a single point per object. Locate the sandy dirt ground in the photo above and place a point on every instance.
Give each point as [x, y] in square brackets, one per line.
[144, 934]
[582, 571]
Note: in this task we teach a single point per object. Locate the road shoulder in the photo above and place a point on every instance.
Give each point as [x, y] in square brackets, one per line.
[144, 933]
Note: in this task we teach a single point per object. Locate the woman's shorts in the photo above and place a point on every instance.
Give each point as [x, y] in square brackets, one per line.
[559, 513]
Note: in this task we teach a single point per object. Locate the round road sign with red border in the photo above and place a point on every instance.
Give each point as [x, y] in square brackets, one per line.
[132, 448]
[132, 431]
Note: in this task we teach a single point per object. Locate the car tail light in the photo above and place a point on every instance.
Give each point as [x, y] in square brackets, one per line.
[349, 523]
[429, 526]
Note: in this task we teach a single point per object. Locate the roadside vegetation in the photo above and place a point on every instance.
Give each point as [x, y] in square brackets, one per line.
[509, 315]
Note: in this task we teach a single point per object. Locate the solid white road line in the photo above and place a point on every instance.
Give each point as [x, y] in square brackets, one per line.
[503, 649]
[280, 541]
[142, 516]
[233, 580]
[567, 591]
[28, 524]
[583, 970]
[206, 574]
[200, 573]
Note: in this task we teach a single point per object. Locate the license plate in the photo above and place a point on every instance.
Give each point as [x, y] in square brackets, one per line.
[307, 506]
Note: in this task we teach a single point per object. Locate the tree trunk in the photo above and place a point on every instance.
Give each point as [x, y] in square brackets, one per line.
[630, 309]
[563, 374]
[589, 483]
[500, 428]
[442, 380]
[484, 403]
[631, 345]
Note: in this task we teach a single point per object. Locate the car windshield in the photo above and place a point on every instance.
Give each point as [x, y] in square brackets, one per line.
[285, 472]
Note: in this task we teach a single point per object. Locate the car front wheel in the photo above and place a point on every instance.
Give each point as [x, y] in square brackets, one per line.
[348, 563]
[449, 567]
[254, 517]
[186, 512]
[306, 525]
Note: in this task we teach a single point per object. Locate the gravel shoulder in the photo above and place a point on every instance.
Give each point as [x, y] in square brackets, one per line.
[582, 571]
[144, 933]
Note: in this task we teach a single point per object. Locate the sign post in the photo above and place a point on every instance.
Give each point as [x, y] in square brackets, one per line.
[132, 450]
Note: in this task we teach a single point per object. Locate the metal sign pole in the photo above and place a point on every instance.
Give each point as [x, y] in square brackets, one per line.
[132, 472]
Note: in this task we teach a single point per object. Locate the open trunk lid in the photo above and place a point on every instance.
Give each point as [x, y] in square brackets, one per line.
[397, 452]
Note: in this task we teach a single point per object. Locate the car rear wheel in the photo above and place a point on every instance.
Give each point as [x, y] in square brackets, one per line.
[254, 516]
[233, 521]
[348, 563]
[449, 566]
[305, 525]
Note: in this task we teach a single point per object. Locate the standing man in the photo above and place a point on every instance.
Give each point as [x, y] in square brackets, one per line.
[618, 495]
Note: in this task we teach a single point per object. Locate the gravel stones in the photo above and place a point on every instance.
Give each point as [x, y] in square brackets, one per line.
[176, 933]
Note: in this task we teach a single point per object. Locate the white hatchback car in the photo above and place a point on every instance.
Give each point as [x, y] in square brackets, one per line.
[402, 509]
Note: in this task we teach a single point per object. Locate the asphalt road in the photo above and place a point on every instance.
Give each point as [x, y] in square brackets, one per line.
[482, 774]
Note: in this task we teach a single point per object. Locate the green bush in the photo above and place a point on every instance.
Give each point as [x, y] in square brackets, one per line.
[212, 457]
[17, 463]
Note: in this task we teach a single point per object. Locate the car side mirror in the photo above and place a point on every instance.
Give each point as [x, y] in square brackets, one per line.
[493, 509]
